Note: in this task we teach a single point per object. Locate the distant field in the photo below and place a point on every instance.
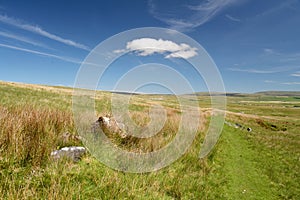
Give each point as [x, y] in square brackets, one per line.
[261, 164]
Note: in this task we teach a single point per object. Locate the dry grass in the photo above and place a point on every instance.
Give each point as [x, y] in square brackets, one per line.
[161, 138]
[53, 89]
[28, 134]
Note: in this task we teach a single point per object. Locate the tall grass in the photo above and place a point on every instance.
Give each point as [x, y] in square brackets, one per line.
[28, 134]
[158, 138]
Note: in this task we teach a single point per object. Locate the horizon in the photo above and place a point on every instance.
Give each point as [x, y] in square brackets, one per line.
[141, 93]
[254, 44]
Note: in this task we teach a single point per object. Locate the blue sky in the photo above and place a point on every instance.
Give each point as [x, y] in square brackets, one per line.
[255, 44]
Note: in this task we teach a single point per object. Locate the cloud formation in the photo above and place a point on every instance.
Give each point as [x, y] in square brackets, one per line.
[277, 8]
[150, 46]
[271, 61]
[297, 74]
[269, 81]
[199, 14]
[22, 39]
[291, 83]
[37, 30]
[41, 53]
[233, 18]
[255, 71]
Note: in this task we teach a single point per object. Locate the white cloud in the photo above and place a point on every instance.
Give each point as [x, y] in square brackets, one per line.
[268, 51]
[282, 57]
[291, 83]
[269, 81]
[233, 18]
[198, 14]
[149, 46]
[286, 5]
[297, 74]
[40, 31]
[41, 53]
[255, 71]
[22, 39]
[119, 51]
[182, 54]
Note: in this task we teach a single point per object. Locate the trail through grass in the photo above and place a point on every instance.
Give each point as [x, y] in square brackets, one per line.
[245, 179]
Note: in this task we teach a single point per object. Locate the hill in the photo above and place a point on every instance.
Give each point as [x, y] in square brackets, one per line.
[261, 164]
[280, 93]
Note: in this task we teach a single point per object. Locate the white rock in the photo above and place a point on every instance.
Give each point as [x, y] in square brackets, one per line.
[74, 153]
[106, 121]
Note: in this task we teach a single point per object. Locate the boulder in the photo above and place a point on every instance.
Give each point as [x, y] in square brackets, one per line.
[74, 153]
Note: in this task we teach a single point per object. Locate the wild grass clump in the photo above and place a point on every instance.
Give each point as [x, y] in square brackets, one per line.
[29, 134]
[141, 141]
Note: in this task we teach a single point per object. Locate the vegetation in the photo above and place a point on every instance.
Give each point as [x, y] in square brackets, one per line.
[262, 164]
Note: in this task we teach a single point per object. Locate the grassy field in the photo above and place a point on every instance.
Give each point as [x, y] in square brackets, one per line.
[261, 164]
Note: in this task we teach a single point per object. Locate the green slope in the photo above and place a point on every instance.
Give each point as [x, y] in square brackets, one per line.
[246, 180]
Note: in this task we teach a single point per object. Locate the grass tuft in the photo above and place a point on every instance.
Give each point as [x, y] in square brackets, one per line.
[29, 134]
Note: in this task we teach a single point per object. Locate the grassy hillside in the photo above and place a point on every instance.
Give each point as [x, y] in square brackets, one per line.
[280, 93]
[262, 164]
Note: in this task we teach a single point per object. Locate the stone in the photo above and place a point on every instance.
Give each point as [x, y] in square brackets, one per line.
[74, 153]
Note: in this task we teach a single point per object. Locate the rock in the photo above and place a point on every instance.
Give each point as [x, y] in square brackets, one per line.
[109, 126]
[237, 125]
[104, 120]
[74, 153]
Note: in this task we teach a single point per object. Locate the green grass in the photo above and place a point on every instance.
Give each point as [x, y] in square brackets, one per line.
[14, 96]
[262, 164]
[243, 173]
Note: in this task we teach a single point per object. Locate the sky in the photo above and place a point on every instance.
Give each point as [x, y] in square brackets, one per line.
[254, 44]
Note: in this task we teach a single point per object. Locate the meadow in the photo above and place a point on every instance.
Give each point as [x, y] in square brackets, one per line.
[261, 164]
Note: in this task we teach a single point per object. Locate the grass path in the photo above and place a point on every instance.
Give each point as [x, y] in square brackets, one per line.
[243, 174]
